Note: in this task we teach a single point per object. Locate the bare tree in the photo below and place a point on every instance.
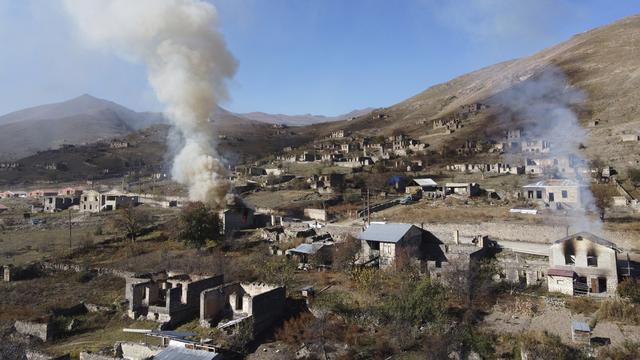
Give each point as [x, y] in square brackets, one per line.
[130, 220]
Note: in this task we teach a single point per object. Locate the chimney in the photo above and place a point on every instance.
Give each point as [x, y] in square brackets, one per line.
[456, 237]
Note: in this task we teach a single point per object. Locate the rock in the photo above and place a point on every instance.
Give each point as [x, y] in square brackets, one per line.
[73, 325]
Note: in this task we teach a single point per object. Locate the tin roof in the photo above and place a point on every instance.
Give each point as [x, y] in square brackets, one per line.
[560, 272]
[175, 353]
[425, 182]
[391, 233]
[309, 249]
[580, 326]
[552, 182]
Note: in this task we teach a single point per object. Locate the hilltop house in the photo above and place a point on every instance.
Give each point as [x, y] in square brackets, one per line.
[583, 264]
[59, 203]
[556, 193]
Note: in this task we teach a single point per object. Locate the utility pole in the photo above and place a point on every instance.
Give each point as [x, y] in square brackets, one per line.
[70, 246]
[368, 207]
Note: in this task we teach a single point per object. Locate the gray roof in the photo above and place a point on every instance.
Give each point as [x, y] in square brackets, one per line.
[425, 182]
[180, 353]
[588, 236]
[580, 326]
[171, 334]
[307, 248]
[391, 233]
[553, 182]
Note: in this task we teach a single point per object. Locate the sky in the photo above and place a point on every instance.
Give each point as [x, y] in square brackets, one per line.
[300, 56]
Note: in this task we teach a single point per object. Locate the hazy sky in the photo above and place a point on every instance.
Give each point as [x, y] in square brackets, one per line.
[301, 56]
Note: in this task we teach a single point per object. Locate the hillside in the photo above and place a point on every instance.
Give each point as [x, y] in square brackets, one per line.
[604, 63]
[80, 120]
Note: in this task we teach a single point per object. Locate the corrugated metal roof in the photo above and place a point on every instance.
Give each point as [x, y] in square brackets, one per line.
[552, 182]
[391, 233]
[560, 272]
[580, 326]
[309, 249]
[180, 353]
[425, 182]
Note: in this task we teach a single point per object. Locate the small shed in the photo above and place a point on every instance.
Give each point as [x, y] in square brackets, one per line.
[580, 332]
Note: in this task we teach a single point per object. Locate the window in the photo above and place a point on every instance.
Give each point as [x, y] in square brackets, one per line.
[530, 194]
[569, 259]
[565, 194]
[538, 194]
[592, 261]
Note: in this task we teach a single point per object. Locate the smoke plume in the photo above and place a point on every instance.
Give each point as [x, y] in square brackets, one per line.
[188, 65]
[542, 106]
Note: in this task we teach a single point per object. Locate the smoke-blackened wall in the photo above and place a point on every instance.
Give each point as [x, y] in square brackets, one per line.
[188, 65]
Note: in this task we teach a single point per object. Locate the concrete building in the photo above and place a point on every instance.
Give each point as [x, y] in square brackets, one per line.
[90, 201]
[94, 201]
[555, 193]
[321, 252]
[465, 189]
[59, 203]
[583, 263]
[536, 146]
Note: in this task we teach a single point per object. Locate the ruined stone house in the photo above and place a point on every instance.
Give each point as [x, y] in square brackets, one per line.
[168, 298]
[230, 305]
[583, 263]
[59, 203]
[536, 146]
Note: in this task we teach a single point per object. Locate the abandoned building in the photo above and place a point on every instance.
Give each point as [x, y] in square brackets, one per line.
[555, 193]
[319, 253]
[582, 264]
[59, 203]
[95, 201]
[168, 298]
[230, 305]
[327, 183]
[464, 189]
[536, 146]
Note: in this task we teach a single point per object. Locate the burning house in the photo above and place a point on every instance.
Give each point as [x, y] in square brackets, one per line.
[583, 264]
[556, 193]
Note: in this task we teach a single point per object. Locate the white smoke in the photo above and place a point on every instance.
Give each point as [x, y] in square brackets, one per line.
[188, 65]
[543, 106]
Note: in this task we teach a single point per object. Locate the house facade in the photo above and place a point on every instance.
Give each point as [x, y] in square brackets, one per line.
[555, 193]
[582, 264]
[387, 242]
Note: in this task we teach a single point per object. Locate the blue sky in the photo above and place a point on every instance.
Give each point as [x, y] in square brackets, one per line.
[301, 56]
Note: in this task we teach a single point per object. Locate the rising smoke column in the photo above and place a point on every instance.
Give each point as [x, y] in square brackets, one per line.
[188, 65]
[543, 104]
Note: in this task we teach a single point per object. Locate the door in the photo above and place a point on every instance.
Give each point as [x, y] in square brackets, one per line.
[551, 197]
[595, 288]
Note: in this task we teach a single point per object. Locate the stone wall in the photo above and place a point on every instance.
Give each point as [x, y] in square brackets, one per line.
[36, 355]
[523, 232]
[92, 356]
[42, 331]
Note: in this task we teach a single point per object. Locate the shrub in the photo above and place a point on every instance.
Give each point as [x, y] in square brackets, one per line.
[198, 224]
[627, 351]
[630, 289]
[619, 310]
[543, 346]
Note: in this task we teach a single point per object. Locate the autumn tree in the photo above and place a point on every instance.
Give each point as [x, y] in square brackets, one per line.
[198, 224]
[130, 220]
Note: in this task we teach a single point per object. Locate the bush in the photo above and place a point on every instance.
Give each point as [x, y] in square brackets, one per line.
[543, 346]
[198, 224]
[619, 310]
[630, 289]
[627, 351]
[423, 301]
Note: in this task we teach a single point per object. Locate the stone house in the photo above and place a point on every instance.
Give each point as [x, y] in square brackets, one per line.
[168, 298]
[330, 182]
[385, 243]
[90, 201]
[339, 134]
[237, 217]
[536, 146]
[555, 193]
[231, 305]
[583, 263]
[629, 138]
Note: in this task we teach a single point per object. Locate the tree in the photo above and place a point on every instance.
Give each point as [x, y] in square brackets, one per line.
[198, 224]
[131, 220]
[346, 253]
[601, 198]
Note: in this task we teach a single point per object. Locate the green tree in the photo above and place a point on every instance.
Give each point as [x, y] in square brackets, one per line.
[198, 224]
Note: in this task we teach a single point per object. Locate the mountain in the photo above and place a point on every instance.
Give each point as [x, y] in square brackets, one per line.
[302, 120]
[603, 63]
[76, 121]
